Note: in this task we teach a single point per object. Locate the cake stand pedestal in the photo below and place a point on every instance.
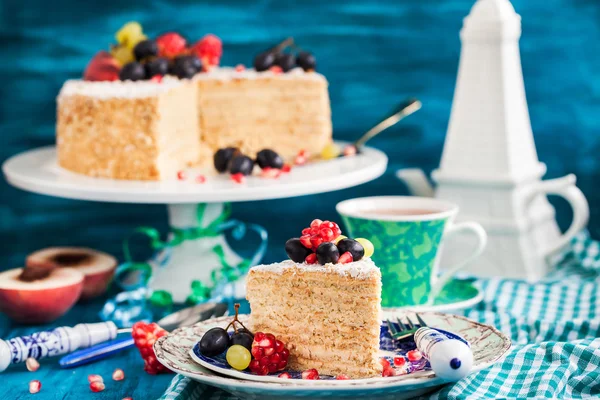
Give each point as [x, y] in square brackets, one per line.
[176, 267]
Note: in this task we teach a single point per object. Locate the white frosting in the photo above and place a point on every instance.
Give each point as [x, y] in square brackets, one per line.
[118, 89]
[361, 269]
[141, 89]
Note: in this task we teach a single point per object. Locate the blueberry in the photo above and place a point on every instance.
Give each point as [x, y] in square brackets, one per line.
[355, 248]
[296, 250]
[269, 158]
[264, 61]
[134, 71]
[214, 342]
[286, 61]
[145, 49]
[222, 158]
[328, 253]
[243, 339]
[241, 164]
[157, 66]
[306, 60]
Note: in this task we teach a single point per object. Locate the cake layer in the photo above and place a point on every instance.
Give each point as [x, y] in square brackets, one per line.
[127, 130]
[328, 315]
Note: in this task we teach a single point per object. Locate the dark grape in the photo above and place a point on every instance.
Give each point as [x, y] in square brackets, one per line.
[264, 61]
[296, 250]
[306, 61]
[328, 253]
[269, 158]
[241, 164]
[214, 342]
[286, 61]
[145, 49]
[222, 158]
[157, 66]
[243, 339]
[134, 71]
[355, 248]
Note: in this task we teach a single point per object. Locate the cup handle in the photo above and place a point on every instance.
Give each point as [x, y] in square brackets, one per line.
[479, 232]
[564, 187]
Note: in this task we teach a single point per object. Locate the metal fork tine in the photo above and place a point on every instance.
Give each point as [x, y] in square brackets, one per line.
[391, 327]
[421, 322]
[402, 326]
[410, 323]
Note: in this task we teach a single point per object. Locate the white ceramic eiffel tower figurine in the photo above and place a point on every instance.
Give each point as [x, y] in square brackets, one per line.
[489, 164]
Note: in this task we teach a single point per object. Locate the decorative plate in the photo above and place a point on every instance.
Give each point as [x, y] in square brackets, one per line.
[488, 344]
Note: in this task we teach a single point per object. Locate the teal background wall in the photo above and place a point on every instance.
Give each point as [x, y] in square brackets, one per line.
[374, 54]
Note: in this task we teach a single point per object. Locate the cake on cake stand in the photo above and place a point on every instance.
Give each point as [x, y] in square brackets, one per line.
[192, 259]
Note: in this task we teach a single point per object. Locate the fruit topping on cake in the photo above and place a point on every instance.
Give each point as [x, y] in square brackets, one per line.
[261, 353]
[279, 59]
[324, 243]
[103, 67]
[209, 49]
[230, 159]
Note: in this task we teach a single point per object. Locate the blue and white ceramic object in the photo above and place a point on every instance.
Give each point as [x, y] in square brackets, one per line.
[488, 345]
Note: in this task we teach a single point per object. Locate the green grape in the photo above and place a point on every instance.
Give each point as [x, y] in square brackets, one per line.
[238, 357]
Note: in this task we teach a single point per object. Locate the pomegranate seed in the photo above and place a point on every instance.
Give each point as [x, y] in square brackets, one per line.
[240, 67]
[271, 337]
[32, 364]
[389, 371]
[284, 375]
[286, 168]
[282, 364]
[305, 240]
[326, 234]
[350, 150]
[200, 179]
[258, 336]
[95, 378]
[127, 398]
[97, 386]
[254, 366]
[276, 69]
[285, 353]
[35, 386]
[311, 259]
[238, 178]
[316, 241]
[345, 258]
[279, 346]
[300, 160]
[270, 173]
[156, 79]
[266, 342]
[257, 352]
[316, 223]
[264, 361]
[181, 176]
[337, 231]
[305, 231]
[384, 362]
[275, 358]
[272, 368]
[342, 377]
[414, 355]
[269, 351]
[399, 361]
[118, 375]
[311, 374]
[264, 370]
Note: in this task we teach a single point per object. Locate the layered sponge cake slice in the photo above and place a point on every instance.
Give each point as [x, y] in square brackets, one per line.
[328, 315]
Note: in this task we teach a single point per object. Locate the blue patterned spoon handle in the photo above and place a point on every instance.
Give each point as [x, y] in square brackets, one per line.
[95, 353]
[55, 342]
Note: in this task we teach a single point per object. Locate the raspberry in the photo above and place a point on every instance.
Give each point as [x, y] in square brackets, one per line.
[269, 354]
[35, 386]
[346, 258]
[94, 378]
[414, 355]
[284, 375]
[118, 375]
[170, 45]
[311, 258]
[342, 377]
[144, 336]
[209, 49]
[97, 386]
[311, 374]
[32, 364]
[238, 178]
[399, 361]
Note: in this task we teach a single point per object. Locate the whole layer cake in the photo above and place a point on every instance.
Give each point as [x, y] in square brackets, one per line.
[328, 316]
[151, 108]
[323, 303]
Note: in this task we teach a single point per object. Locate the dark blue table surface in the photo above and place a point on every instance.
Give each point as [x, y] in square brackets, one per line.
[373, 53]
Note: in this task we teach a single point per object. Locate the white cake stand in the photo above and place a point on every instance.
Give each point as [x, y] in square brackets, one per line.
[37, 171]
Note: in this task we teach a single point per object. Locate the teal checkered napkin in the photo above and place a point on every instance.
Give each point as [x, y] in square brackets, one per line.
[554, 325]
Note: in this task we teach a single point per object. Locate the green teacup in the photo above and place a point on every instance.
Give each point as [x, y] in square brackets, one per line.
[408, 234]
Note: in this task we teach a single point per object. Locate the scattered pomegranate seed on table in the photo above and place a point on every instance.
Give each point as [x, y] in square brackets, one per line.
[32, 364]
[95, 378]
[384, 362]
[414, 355]
[35, 386]
[399, 361]
[389, 371]
[310, 374]
[118, 375]
[284, 375]
[97, 386]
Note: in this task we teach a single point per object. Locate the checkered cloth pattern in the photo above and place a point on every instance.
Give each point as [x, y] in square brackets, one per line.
[554, 325]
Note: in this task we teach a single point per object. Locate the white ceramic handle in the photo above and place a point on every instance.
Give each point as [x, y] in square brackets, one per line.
[479, 232]
[565, 187]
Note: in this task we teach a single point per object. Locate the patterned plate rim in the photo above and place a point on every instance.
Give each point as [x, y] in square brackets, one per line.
[403, 380]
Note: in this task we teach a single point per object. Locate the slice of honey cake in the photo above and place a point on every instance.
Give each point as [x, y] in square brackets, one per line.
[324, 303]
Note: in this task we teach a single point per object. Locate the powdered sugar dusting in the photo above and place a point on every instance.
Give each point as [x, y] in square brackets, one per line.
[363, 269]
